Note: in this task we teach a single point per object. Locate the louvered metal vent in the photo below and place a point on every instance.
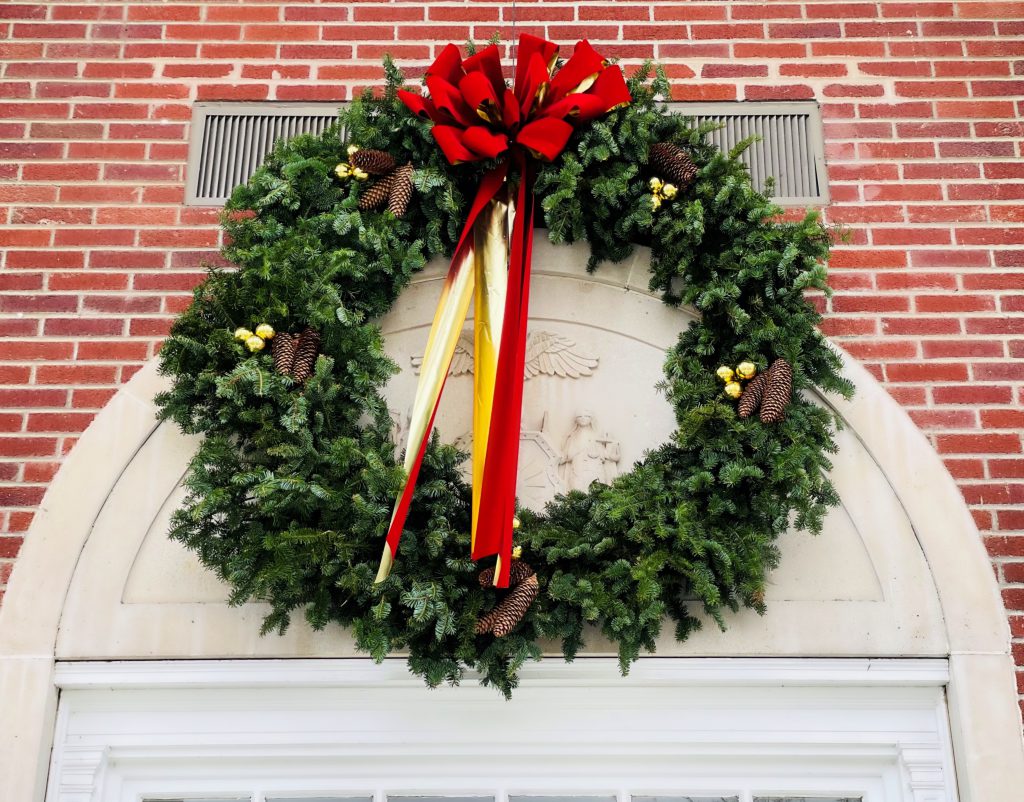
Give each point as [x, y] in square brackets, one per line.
[230, 140]
[790, 149]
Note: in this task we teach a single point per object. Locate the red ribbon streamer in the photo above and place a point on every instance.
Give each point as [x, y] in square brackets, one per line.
[477, 117]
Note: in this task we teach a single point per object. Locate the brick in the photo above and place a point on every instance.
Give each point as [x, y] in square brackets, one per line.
[43, 31]
[1002, 419]
[941, 420]
[233, 92]
[804, 30]
[151, 327]
[160, 50]
[32, 350]
[88, 281]
[41, 69]
[28, 447]
[1006, 469]
[921, 325]
[1000, 371]
[870, 303]
[760, 50]
[118, 70]
[59, 421]
[82, 327]
[112, 351]
[17, 151]
[75, 374]
[941, 89]
[242, 13]
[734, 70]
[973, 395]
[334, 51]
[204, 33]
[142, 172]
[978, 443]
[64, 89]
[975, 108]
[958, 29]
[954, 303]
[808, 70]
[779, 92]
[240, 51]
[968, 68]
[196, 70]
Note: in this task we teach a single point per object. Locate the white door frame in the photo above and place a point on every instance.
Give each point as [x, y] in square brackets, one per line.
[875, 730]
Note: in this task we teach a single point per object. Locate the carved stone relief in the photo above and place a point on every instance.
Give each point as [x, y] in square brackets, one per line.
[561, 445]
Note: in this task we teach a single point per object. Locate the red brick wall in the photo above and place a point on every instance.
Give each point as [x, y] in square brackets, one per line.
[923, 109]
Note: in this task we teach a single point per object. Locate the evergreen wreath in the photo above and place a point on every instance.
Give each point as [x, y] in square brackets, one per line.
[291, 490]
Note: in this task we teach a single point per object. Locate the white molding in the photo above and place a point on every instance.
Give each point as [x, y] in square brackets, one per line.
[871, 729]
[591, 671]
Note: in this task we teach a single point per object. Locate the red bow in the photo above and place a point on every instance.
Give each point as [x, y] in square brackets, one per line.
[477, 117]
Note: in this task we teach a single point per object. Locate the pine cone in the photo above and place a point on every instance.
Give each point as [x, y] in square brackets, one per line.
[750, 401]
[673, 164]
[401, 191]
[305, 355]
[375, 162]
[486, 623]
[777, 392]
[523, 589]
[282, 347]
[376, 195]
[514, 606]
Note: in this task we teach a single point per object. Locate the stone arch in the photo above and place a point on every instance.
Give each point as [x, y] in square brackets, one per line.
[906, 574]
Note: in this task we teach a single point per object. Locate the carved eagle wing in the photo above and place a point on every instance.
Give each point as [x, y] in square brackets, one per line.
[462, 359]
[551, 354]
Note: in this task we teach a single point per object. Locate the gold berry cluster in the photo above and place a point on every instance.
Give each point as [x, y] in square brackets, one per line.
[347, 170]
[744, 371]
[255, 341]
[661, 191]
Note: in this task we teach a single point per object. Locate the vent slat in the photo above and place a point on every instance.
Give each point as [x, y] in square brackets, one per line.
[231, 140]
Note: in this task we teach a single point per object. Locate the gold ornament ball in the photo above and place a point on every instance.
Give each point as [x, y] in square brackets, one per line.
[733, 390]
[265, 331]
[516, 523]
[517, 553]
[746, 370]
[255, 343]
[242, 334]
[669, 191]
[655, 184]
[352, 149]
[725, 373]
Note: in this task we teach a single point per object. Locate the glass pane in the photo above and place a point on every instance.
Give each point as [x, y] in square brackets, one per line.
[319, 798]
[609, 798]
[686, 799]
[807, 799]
[440, 798]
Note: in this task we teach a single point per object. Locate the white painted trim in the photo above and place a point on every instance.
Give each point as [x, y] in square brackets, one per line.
[875, 730]
[589, 671]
